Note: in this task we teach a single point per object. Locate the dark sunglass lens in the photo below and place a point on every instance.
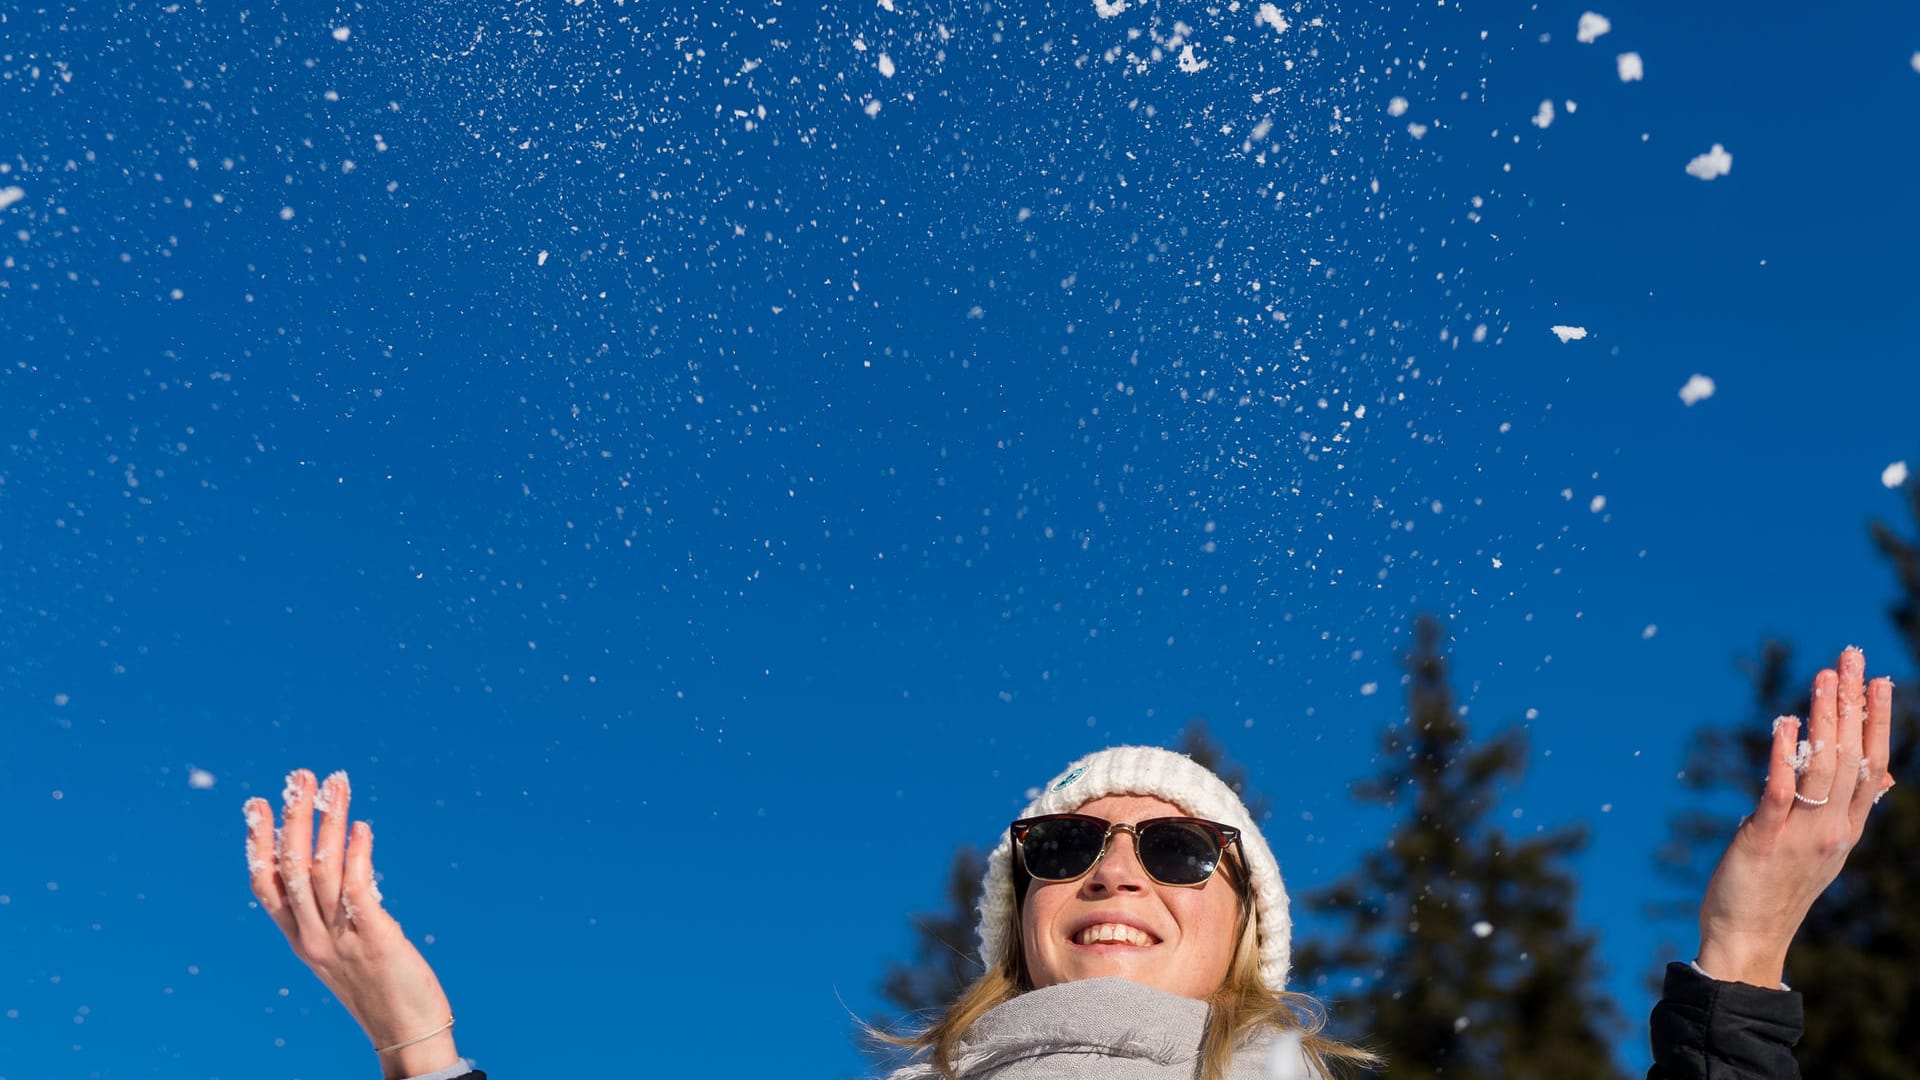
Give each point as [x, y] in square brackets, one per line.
[1179, 853]
[1061, 850]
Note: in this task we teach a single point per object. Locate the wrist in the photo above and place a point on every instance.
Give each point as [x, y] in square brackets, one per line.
[420, 1059]
[1762, 967]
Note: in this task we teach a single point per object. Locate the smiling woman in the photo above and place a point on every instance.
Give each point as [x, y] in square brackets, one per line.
[1133, 919]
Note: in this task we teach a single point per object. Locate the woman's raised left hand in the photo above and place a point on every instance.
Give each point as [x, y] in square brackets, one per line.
[1812, 813]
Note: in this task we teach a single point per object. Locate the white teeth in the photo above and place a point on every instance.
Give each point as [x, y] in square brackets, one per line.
[1112, 932]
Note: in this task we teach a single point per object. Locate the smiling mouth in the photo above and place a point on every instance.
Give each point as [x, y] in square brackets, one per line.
[1113, 934]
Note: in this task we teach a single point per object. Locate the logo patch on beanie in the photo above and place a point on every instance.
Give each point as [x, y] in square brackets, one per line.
[1070, 777]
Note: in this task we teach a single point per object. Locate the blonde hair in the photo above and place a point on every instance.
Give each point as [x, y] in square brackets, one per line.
[1241, 1007]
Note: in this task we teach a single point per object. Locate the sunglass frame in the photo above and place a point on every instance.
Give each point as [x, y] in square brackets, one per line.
[1226, 836]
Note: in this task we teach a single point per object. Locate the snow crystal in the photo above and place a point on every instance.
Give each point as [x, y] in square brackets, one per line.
[540, 259]
[1699, 388]
[1647, 634]
[1369, 689]
[342, 33]
[1270, 15]
[1397, 107]
[1802, 753]
[199, 779]
[1715, 162]
[1285, 1061]
[1894, 475]
[1631, 69]
[332, 788]
[1483, 928]
[1460, 1023]
[1592, 26]
[886, 66]
[61, 699]
[1544, 117]
[11, 195]
[1190, 63]
[1568, 333]
[286, 213]
[1107, 9]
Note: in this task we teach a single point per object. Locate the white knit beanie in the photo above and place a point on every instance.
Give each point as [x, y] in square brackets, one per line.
[1162, 774]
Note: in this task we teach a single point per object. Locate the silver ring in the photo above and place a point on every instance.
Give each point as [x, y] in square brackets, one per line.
[1799, 798]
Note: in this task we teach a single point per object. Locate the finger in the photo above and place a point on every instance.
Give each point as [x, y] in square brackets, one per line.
[1877, 741]
[1816, 783]
[332, 803]
[359, 893]
[296, 853]
[1777, 800]
[261, 869]
[1853, 718]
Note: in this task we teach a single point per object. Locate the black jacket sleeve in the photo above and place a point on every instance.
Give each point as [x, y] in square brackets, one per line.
[1708, 1030]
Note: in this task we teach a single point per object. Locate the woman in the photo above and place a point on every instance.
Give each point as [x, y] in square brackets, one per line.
[1134, 923]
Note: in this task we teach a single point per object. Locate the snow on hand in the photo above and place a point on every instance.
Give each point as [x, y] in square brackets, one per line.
[1715, 162]
[1631, 69]
[1568, 333]
[1699, 388]
[1592, 26]
[1894, 475]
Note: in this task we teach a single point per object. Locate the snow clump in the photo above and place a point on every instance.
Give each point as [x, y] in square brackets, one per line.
[11, 195]
[886, 66]
[1270, 16]
[1190, 63]
[342, 33]
[1715, 162]
[1543, 119]
[1397, 107]
[1107, 9]
[1916, 61]
[1592, 26]
[1894, 475]
[1699, 388]
[1631, 69]
[199, 779]
[1568, 333]
[1483, 928]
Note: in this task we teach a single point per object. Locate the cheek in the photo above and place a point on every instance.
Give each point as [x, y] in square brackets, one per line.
[1037, 919]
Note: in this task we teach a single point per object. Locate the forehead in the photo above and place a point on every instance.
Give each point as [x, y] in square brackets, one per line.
[1130, 808]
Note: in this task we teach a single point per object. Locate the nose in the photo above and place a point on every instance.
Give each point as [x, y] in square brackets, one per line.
[1119, 868]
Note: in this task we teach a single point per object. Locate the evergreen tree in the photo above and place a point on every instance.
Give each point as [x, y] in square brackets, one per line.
[1857, 957]
[1458, 936]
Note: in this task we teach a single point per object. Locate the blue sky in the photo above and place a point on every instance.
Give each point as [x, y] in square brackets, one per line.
[690, 500]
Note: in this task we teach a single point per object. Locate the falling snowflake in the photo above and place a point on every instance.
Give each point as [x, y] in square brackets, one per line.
[1568, 333]
[1592, 26]
[1699, 388]
[1631, 69]
[1715, 162]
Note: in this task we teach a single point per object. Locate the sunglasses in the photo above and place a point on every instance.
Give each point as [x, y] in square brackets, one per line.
[1172, 850]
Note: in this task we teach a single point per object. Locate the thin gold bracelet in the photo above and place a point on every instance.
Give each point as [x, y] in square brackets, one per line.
[415, 1039]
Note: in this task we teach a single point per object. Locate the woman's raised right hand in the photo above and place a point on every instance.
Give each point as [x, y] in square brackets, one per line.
[322, 895]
